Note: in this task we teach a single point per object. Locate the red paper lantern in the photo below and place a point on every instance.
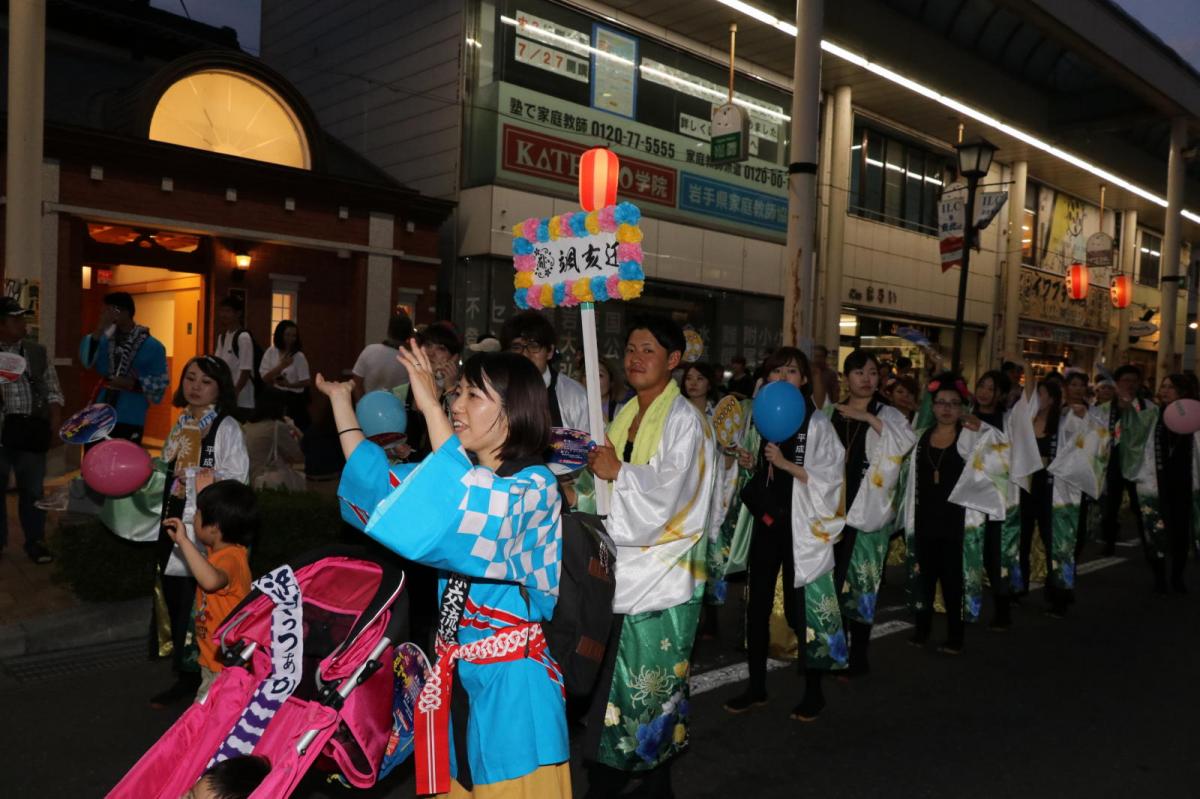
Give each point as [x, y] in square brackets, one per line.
[1121, 291]
[598, 173]
[1077, 282]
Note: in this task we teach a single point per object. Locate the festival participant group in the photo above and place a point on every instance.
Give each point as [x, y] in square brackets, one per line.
[950, 481]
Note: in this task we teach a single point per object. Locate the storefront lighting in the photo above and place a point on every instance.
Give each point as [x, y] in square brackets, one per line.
[1193, 325]
[960, 107]
[1077, 282]
[599, 169]
[242, 260]
[1120, 291]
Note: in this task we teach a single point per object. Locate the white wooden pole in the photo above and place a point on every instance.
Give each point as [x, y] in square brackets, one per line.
[591, 369]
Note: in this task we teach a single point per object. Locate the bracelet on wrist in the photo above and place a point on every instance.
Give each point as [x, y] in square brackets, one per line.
[350, 430]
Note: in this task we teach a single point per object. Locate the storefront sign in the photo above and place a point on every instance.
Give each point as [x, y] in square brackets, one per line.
[737, 204]
[1044, 298]
[558, 159]
[951, 213]
[547, 45]
[730, 134]
[1140, 329]
[614, 71]
[1100, 250]
[1062, 335]
[654, 161]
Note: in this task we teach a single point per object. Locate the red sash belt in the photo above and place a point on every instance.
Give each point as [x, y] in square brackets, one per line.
[433, 705]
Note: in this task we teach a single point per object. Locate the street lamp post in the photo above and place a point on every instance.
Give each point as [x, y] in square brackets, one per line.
[974, 161]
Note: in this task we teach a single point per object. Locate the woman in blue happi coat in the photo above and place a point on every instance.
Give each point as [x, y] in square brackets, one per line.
[484, 510]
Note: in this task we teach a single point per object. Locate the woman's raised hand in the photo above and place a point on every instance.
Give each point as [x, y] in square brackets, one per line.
[421, 377]
[335, 389]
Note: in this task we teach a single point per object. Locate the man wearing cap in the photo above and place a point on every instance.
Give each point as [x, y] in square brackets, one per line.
[133, 362]
[31, 407]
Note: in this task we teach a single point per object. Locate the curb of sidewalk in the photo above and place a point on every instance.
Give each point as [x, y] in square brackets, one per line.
[87, 624]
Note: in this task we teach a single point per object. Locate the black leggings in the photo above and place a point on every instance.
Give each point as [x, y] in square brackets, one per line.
[1036, 508]
[770, 551]
[180, 596]
[993, 557]
[940, 558]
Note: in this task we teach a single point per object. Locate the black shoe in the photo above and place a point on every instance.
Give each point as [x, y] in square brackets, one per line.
[949, 648]
[184, 689]
[746, 701]
[809, 708]
[919, 640]
[39, 554]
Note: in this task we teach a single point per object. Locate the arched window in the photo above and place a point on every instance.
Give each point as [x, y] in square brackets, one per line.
[231, 113]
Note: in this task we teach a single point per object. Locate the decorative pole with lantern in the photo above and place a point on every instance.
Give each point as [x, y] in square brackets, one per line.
[579, 259]
[974, 162]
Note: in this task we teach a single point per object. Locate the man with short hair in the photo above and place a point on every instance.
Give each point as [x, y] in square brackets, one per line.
[235, 346]
[133, 361]
[377, 367]
[30, 410]
[741, 382]
[531, 334]
[1117, 477]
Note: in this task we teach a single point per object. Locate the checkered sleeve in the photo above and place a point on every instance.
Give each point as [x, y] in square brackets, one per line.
[455, 516]
[367, 479]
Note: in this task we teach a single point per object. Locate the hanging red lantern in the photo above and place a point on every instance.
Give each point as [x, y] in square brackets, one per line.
[599, 169]
[1077, 282]
[1121, 291]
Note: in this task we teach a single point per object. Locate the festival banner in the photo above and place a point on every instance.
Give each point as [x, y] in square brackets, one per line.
[579, 257]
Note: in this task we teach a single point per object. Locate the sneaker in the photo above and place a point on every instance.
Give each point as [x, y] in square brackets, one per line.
[809, 709]
[39, 554]
[58, 500]
[747, 701]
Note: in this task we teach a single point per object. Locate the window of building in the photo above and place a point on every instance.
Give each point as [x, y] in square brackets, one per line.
[1149, 259]
[285, 300]
[233, 114]
[895, 181]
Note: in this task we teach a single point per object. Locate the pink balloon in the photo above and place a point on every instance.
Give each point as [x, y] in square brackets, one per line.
[1182, 416]
[116, 468]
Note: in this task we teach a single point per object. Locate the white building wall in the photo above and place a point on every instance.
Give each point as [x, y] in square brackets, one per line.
[383, 76]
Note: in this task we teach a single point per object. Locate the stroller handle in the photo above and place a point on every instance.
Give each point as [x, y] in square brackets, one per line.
[365, 669]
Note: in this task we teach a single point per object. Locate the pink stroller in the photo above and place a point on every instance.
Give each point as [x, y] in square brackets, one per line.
[305, 684]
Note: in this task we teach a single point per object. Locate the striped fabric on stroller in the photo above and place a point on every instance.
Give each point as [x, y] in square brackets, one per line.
[305, 685]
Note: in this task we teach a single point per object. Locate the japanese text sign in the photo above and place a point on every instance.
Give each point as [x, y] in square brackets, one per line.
[579, 257]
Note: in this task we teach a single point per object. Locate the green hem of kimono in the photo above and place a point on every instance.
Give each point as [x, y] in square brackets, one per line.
[646, 722]
[1153, 523]
[972, 573]
[720, 552]
[825, 647]
[1060, 566]
[1010, 549]
[864, 573]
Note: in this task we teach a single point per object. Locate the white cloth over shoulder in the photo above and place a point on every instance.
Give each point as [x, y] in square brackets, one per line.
[875, 505]
[659, 516]
[572, 401]
[817, 521]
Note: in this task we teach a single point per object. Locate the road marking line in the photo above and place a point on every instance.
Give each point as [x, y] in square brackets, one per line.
[739, 672]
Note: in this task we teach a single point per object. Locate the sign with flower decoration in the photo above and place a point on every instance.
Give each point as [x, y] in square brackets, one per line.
[577, 258]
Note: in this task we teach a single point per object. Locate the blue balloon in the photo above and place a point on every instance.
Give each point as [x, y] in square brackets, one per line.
[381, 412]
[778, 411]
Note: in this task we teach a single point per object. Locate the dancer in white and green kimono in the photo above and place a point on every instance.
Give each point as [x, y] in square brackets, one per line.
[876, 438]
[794, 498]
[1168, 482]
[659, 460]
[1067, 442]
[955, 478]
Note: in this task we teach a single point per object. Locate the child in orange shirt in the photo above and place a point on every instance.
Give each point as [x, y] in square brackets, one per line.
[225, 522]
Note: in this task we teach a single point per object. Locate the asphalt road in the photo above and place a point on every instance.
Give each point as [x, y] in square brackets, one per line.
[1103, 704]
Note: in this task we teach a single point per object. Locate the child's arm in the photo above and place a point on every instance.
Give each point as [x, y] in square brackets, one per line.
[208, 577]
